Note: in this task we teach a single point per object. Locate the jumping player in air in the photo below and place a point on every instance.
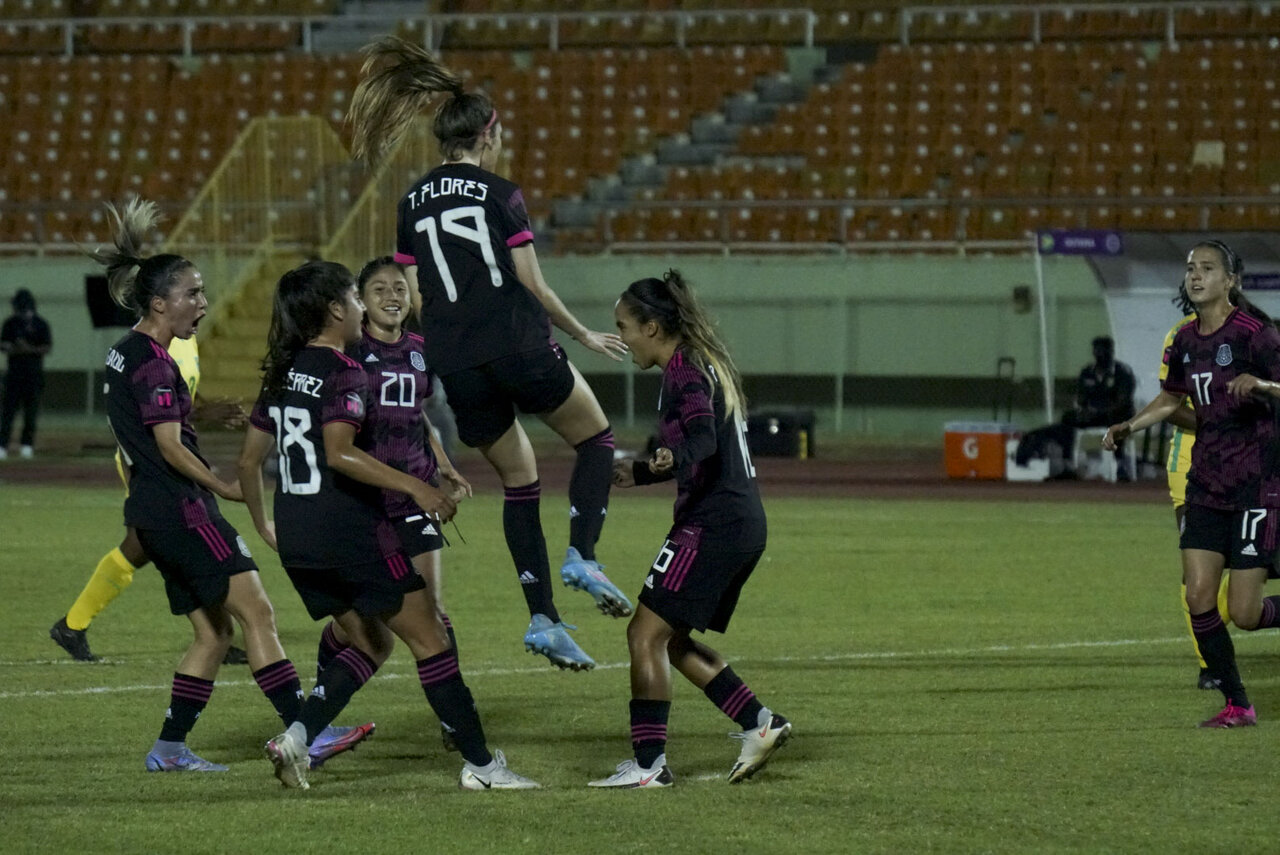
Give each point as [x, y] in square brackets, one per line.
[114, 571]
[335, 541]
[399, 385]
[1228, 362]
[486, 321]
[208, 572]
[715, 542]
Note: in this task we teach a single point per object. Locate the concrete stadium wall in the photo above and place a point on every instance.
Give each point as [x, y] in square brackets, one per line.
[916, 338]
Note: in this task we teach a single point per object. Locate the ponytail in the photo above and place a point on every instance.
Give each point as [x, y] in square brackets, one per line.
[670, 302]
[133, 279]
[399, 81]
[299, 313]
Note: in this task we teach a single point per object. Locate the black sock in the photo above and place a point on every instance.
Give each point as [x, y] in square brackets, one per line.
[589, 492]
[727, 691]
[186, 702]
[1219, 654]
[452, 703]
[1270, 613]
[279, 682]
[522, 525]
[649, 730]
[349, 670]
[329, 648]
[448, 628]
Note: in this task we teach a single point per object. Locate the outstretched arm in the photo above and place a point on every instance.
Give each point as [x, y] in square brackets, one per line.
[530, 274]
[1164, 405]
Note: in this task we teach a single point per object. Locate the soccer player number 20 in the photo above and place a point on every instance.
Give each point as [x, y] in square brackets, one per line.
[478, 233]
[292, 442]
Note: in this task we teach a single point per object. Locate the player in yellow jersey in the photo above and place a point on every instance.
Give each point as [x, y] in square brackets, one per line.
[1179, 463]
[115, 571]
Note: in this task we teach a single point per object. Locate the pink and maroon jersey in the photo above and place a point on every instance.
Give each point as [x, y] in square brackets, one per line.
[323, 518]
[458, 224]
[144, 388]
[1234, 463]
[717, 500]
[399, 385]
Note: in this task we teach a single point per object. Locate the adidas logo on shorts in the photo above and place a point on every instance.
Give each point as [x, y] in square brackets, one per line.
[1248, 550]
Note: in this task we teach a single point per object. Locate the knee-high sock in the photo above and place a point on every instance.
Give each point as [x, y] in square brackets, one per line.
[1270, 613]
[113, 574]
[1186, 614]
[649, 730]
[1218, 651]
[187, 701]
[589, 492]
[522, 524]
[727, 691]
[452, 703]
[329, 648]
[350, 670]
[279, 682]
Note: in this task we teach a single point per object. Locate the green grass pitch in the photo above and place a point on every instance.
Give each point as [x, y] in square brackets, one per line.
[962, 676]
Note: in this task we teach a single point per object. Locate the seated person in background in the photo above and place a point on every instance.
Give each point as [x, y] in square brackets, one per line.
[1104, 393]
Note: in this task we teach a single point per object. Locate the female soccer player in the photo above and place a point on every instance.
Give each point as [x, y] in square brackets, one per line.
[335, 541]
[486, 318]
[1176, 468]
[114, 571]
[208, 572]
[1228, 361]
[717, 538]
[402, 436]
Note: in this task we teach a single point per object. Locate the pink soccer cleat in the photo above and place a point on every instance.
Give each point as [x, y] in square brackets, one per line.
[1232, 716]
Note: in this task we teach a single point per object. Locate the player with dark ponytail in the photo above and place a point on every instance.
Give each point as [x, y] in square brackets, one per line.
[715, 542]
[1228, 362]
[208, 572]
[486, 322]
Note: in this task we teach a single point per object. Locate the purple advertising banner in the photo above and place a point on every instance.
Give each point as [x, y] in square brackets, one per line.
[1079, 242]
[1261, 281]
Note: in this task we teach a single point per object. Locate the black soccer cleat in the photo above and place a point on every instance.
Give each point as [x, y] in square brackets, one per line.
[235, 656]
[72, 640]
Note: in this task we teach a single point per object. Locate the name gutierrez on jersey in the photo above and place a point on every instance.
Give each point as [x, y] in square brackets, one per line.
[305, 383]
[437, 187]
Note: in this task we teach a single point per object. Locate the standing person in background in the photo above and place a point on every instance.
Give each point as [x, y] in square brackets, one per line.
[1183, 421]
[26, 339]
[717, 538]
[331, 530]
[1228, 362]
[209, 574]
[486, 321]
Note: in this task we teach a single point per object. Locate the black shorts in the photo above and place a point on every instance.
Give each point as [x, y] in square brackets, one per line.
[197, 563]
[484, 399]
[418, 535]
[1246, 539]
[691, 587]
[375, 589]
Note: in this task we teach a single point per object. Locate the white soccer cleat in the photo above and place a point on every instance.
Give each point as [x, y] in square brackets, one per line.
[758, 745]
[632, 776]
[288, 753]
[495, 776]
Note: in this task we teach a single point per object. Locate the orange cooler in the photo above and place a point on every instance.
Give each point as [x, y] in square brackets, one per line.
[976, 449]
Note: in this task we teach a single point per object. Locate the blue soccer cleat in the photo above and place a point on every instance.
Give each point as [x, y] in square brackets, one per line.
[332, 741]
[552, 641]
[183, 761]
[579, 573]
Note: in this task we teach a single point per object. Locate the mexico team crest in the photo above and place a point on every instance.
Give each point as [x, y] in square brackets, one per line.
[1224, 355]
[416, 359]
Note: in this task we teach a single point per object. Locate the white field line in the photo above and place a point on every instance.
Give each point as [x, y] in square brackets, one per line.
[543, 669]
